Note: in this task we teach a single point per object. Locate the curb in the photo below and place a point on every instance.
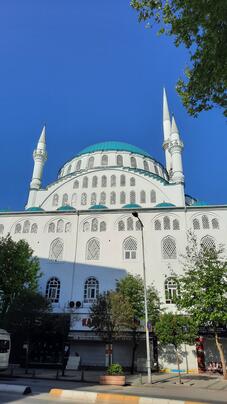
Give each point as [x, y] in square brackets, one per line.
[15, 388]
[99, 398]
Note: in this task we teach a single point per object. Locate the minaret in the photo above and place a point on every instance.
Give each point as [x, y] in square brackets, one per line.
[166, 131]
[175, 148]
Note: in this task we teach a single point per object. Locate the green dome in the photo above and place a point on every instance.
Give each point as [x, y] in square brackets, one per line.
[115, 146]
[66, 208]
[98, 207]
[132, 206]
[199, 203]
[164, 205]
[35, 209]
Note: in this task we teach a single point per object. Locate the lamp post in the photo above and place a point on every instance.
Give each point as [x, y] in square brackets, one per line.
[135, 214]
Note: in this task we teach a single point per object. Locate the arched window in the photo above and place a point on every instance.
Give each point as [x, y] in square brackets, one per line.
[26, 227]
[95, 181]
[113, 181]
[132, 181]
[157, 225]
[55, 200]
[122, 197]
[215, 224]
[153, 196]
[85, 182]
[60, 226]
[93, 198]
[145, 165]
[142, 197]
[53, 290]
[56, 250]
[176, 224]
[51, 228]
[69, 169]
[34, 228]
[68, 227]
[138, 225]
[205, 222]
[1, 228]
[103, 226]
[104, 181]
[119, 160]
[166, 223]
[169, 250]
[129, 248]
[84, 199]
[94, 225]
[156, 170]
[91, 290]
[78, 165]
[171, 290]
[113, 198]
[65, 199]
[76, 184]
[90, 162]
[103, 198]
[132, 197]
[93, 249]
[122, 180]
[133, 162]
[18, 228]
[86, 226]
[73, 200]
[130, 223]
[196, 224]
[121, 226]
[104, 161]
[208, 243]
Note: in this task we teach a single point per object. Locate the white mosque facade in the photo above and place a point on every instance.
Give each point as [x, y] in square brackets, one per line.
[82, 229]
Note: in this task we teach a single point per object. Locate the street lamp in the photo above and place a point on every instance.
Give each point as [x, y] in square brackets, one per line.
[135, 214]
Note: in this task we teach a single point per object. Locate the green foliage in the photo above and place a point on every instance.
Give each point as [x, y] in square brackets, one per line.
[19, 271]
[202, 27]
[115, 369]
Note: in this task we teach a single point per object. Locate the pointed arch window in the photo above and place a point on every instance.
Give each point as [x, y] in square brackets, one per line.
[76, 184]
[55, 200]
[145, 165]
[138, 225]
[153, 196]
[84, 199]
[91, 290]
[171, 290]
[85, 182]
[68, 227]
[122, 197]
[132, 182]
[95, 181]
[103, 198]
[86, 226]
[156, 170]
[166, 223]
[119, 160]
[104, 161]
[26, 226]
[1, 228]
[122, 180]
[60, 226]
[208, 243]
[69, 169]
[129, 248]
[78, 165]
[132, 197]
[56, 250]
[205, 222]
[94, 225]
[157, 225]
[113, 198]
[93, 249]
[104, 181]
[91, 161]
[142, 197]
[215, 223]
[73, 200]
[65, 199]
[51, 228]
[113, 181]
[169, 250]
[18, 228]
[133, 162]
[53, 290]
[130, 224]
[34, 228]
[176, 224]
[93, 198]
[121, 226]
[103, 226]
[196, 224]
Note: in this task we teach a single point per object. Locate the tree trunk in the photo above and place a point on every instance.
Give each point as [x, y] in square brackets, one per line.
[178, 365]
[221, 353]
[133, 352]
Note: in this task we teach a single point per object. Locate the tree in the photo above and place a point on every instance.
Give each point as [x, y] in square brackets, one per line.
[175, 329]
[202, 27]
[131, 288]
[203, 289]
[19, 270]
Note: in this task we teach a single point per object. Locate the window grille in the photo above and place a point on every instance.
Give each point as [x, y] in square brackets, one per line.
[51, 228]
[18, 228]
[86, 226]
[169, 250]
[119, 160]
[208, 243]
[153, 196]
[138, 225]
[215, 224]
[130, 223]
[60, 226]
[146, 165]
[69, 169]
[94, 225]
[85, 182]
[68, 227]
[53, 290]
[95, 181]
[56, 250]
[91, 162]
[122, 197]
[157, 225]
[55, 200]
[129, 248]
[34, 228]
[26, 227]
[93, 198]
[78, 165]
[113, 180]
[133, 162]
[65, 199]
[171, 290]
[122, 180]
[93, 249]
[103, 198]
[142, 197]
[132, 181]
[132, 197]
[76, 184]
[113, 198]
[205, 222]
[166, 223]
[91, 290]
[121, 226]
[84, 199]
[74, 198]
[104, 181]
[176, 224]
[1, 228]
[103, 226]
[196, 224]
[156, 170]
[104, 161]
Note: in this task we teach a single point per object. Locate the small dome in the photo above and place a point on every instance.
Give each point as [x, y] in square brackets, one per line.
[132, 206]
[164, 205]
[98, 207]
[113, 146]
[199, 203]
[66, 208]
[35, 209]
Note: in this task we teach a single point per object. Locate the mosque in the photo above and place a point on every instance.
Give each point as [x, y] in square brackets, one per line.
[82, 229]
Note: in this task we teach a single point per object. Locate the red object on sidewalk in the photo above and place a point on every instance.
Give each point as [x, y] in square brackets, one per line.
[200, 354]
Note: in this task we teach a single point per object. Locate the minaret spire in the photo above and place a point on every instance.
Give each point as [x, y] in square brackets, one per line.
[166, 131]
[175, 147]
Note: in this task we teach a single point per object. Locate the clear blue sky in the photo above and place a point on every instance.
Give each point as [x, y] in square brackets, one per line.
[92, 73]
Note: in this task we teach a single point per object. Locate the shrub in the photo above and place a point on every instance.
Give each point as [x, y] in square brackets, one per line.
[115, 369]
